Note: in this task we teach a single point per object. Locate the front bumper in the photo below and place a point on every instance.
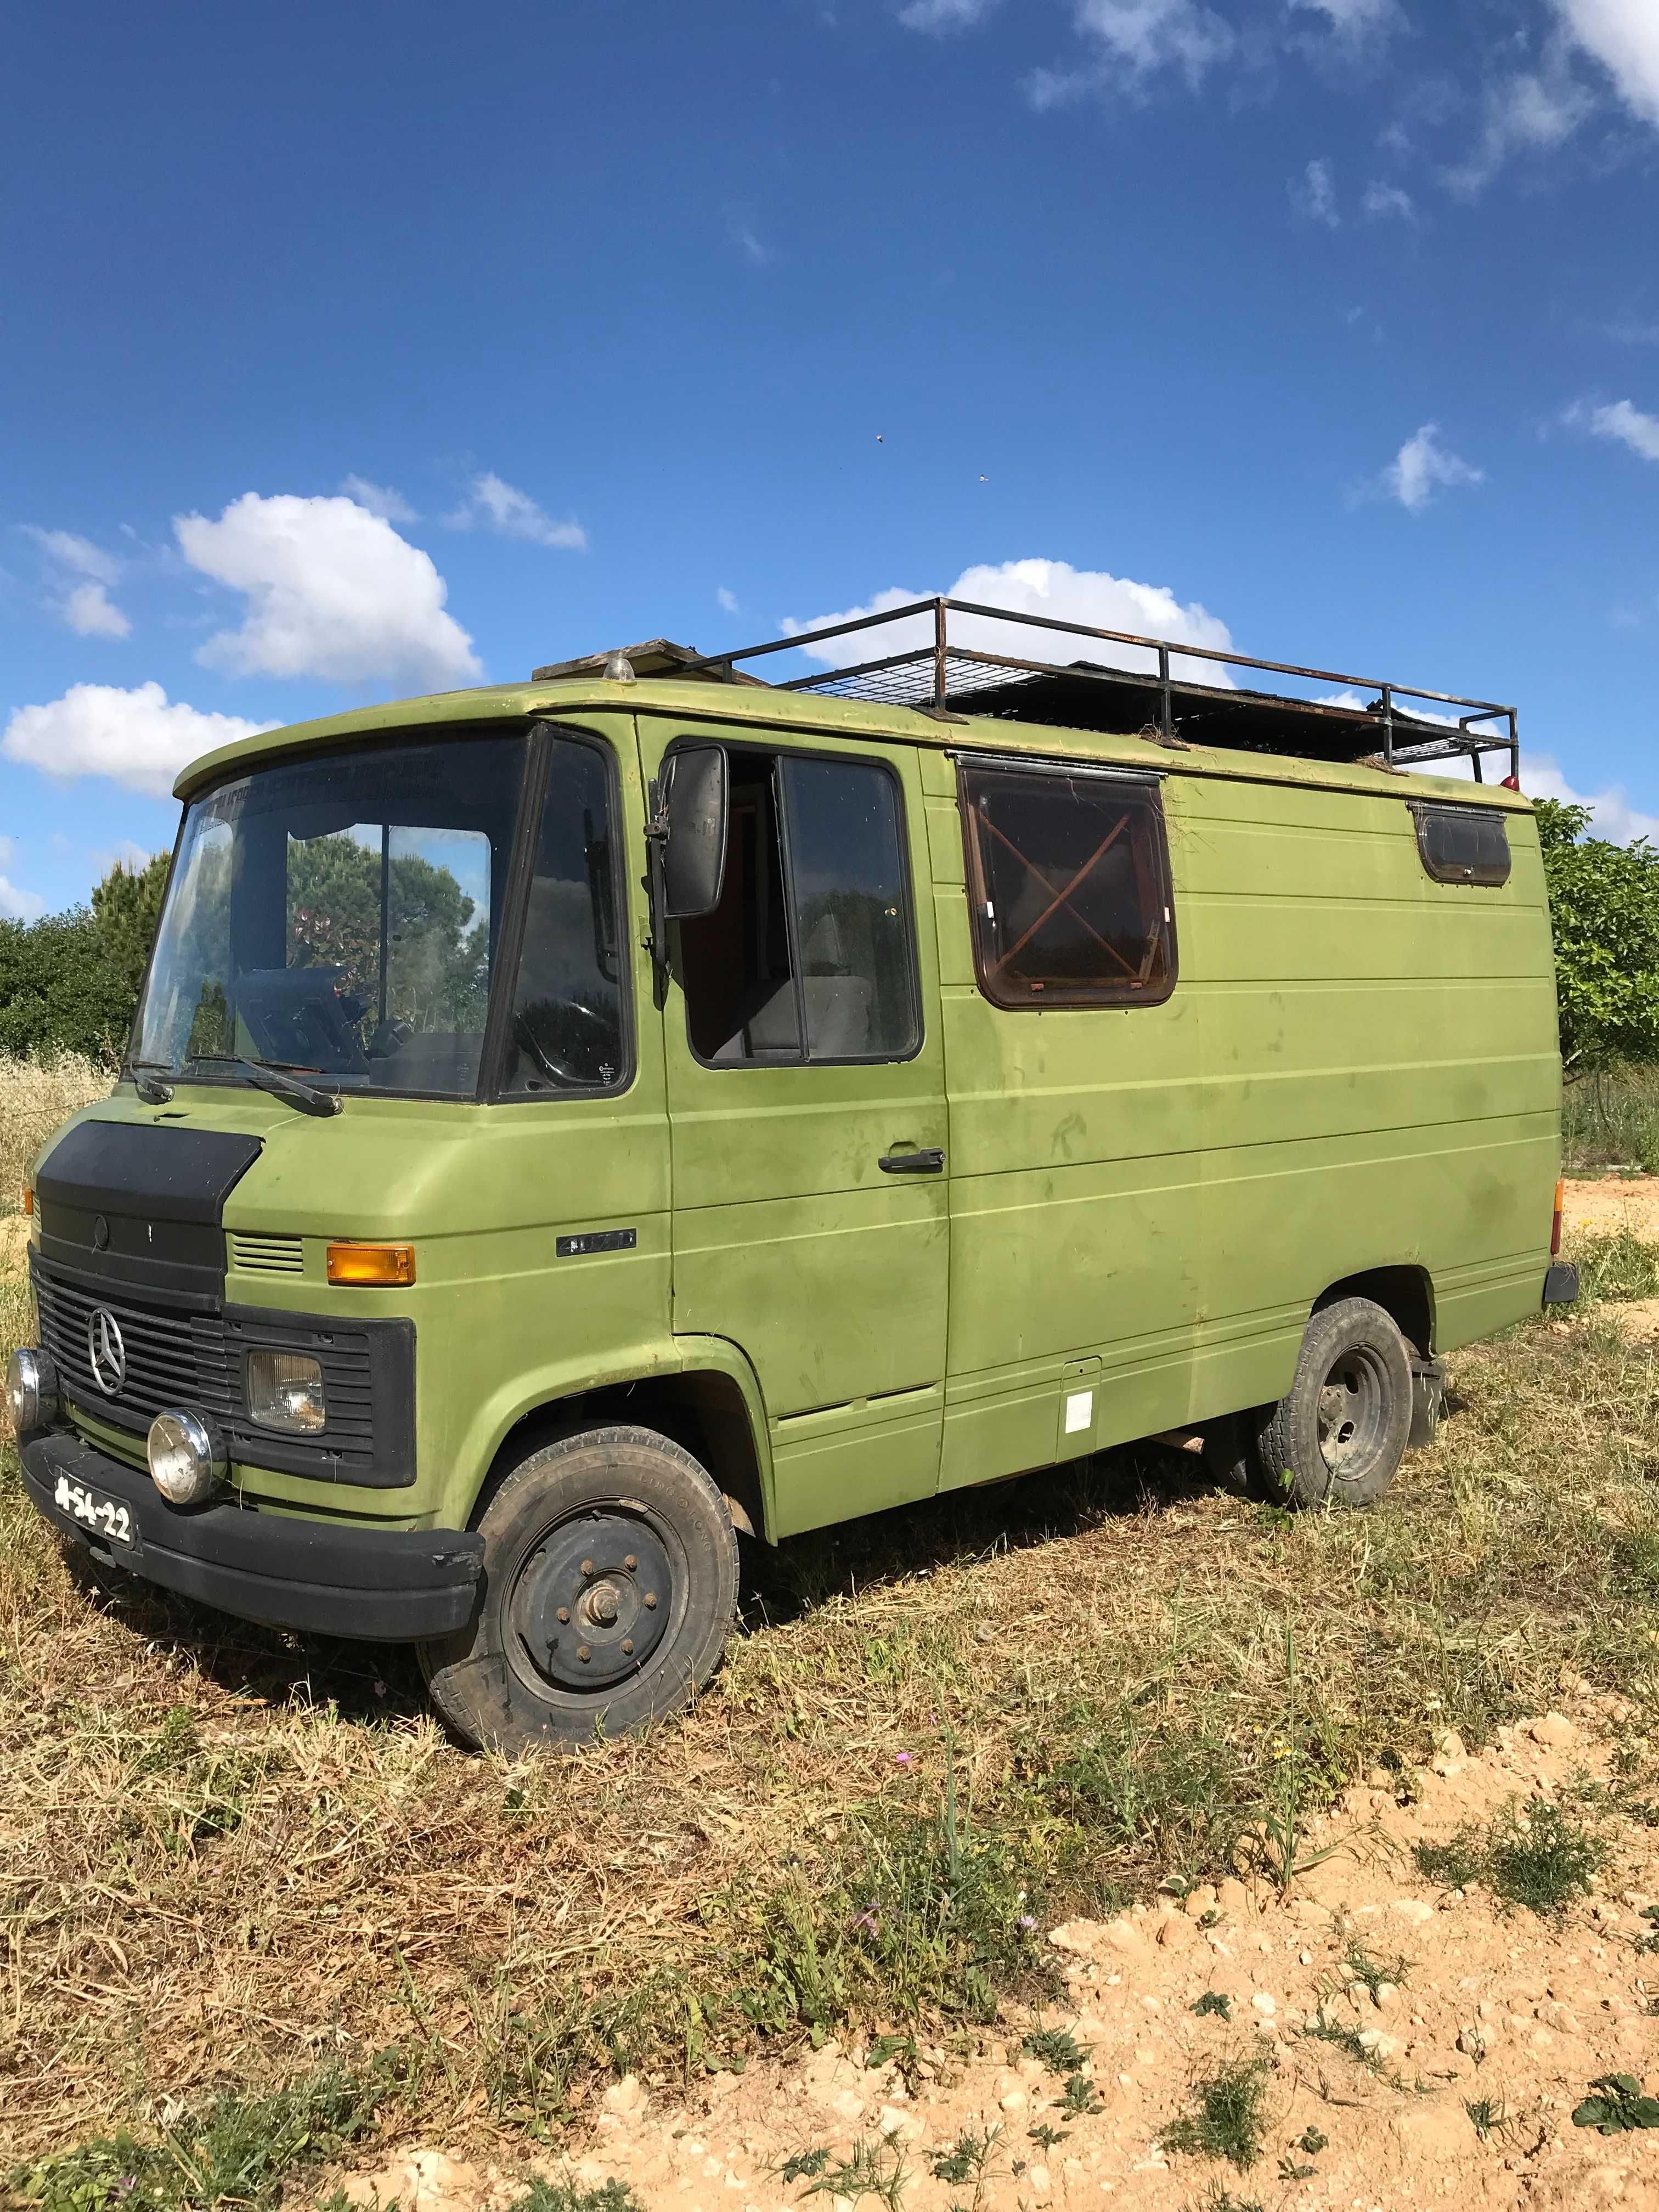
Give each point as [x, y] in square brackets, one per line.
[330, 1577]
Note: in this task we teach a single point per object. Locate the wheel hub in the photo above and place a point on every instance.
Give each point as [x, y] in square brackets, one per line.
[591, 1600]
[1351, 1409]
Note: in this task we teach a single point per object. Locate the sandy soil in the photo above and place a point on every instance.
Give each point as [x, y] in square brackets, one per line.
[1613, 1203]
[1484, 2005]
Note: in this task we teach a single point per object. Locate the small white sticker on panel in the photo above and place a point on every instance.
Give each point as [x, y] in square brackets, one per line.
[1079, 1411]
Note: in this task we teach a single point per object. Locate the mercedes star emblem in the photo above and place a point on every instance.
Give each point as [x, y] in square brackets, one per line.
[108, 1353]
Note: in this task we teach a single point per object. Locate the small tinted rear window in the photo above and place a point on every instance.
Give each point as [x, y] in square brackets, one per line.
[1463, 845]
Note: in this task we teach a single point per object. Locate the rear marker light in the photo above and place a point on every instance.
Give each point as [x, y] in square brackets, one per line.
[1555, 1225]
[28, 1199]
[383, 1264]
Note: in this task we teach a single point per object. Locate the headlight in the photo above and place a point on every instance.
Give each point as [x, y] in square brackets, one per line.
[285, 1391]
[31, 1391]
[187, 1457]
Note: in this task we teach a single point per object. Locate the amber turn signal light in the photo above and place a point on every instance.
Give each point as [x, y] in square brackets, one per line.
[1555, 1225]
[371, 1263]
[29, 1200]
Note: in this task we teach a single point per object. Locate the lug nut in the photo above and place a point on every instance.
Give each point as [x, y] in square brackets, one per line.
[627, 1644]
[651, 1597]
[587, 1566]
[564, 1613]
[583, 1652]
[630, 1563]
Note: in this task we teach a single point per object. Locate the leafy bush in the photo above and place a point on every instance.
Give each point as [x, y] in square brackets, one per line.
[1604, 913]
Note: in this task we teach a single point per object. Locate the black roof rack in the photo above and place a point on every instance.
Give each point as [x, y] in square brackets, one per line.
[951, 670]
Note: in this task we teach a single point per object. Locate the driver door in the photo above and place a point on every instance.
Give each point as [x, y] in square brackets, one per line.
[807, 1119]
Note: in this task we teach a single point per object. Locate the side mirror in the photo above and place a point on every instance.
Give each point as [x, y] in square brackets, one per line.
[694, 826]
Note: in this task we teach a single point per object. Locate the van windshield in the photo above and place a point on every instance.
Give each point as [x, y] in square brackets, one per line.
[335, 914]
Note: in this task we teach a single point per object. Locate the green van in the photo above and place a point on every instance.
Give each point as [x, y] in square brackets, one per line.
[762, 1104]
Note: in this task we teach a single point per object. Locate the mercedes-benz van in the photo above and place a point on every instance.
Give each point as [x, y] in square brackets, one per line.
[568, 1123]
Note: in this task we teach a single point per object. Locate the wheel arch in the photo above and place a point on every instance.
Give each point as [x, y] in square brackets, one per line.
[711, 1406]
[1404, 1291]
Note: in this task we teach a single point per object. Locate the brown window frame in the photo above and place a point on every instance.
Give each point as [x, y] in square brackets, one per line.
[1144, 788]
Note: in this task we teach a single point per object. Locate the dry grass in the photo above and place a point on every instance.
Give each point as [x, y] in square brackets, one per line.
[35, 1095]
[230, 1858]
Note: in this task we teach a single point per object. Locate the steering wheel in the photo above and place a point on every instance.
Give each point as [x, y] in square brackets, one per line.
[601, 1032]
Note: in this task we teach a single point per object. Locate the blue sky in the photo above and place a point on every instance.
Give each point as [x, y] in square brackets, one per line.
[349, 353]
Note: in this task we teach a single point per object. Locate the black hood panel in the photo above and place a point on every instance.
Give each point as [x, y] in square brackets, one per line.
[143, 1203]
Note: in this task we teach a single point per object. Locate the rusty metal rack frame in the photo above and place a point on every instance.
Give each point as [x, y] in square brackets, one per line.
[943, 676]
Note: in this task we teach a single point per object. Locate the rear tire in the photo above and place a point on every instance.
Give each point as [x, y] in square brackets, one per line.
[1340, 1432]
[610, 1583]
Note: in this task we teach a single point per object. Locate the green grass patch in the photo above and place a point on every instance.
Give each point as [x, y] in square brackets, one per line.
[1229, 2118]
[238, 2149]
[1534, 1855]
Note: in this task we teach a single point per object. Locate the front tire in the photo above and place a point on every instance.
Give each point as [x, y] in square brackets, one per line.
[610, 1583]
[1340, 1432]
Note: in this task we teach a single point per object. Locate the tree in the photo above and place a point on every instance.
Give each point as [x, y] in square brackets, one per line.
[59, 991]
[1604, 911]
[70, 982]
[127, 905]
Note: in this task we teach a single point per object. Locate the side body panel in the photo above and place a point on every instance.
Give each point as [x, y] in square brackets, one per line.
[1075, 1192]
[1358, 1070]
[1381, 1080]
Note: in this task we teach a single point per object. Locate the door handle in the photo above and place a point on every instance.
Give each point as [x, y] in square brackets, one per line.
[930, 1162]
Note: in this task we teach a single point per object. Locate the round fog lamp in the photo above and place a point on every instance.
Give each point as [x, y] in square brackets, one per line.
[31, 1391]
[187, 1457]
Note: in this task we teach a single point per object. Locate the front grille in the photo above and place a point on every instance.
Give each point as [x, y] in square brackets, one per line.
[172, 1359]
[198, 1361]
[267, 1255]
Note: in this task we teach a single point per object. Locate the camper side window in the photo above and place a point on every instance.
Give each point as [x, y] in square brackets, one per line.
[808, 956]
[1068, 882]
[1463, 845]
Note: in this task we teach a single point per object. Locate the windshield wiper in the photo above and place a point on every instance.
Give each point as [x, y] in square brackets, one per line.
[270, 1076]
[152, 1092]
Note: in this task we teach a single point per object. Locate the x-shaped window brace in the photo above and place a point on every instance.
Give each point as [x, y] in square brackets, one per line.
[1063, 896]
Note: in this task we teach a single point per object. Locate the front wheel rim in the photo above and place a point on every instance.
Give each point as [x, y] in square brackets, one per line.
[590, 1603]
[1353, 1412]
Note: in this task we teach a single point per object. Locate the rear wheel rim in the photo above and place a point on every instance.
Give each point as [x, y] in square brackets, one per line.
[1353, 1414]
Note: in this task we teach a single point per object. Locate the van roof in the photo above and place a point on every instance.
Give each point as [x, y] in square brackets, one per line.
[743, 707]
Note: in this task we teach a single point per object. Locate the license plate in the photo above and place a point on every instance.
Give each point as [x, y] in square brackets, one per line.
[96, 1511]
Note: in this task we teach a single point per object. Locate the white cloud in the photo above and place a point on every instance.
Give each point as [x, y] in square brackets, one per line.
[1313, 195]
[1355, 19]
[1383, 201]
[90, 612]
[332, 591]
[1628, 424]
[136, 738]
[728, 601]
[744, 235]
[1423, 466]
[944, 14]
[18, 905]
[87, 607]
[380, 499]
[1052, 588]
[1532, 112]
[1141, 37]
[1623, 35]
[491, 504]
[79, 554]
[1612, 817]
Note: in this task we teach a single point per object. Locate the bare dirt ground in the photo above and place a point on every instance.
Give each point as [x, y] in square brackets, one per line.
[1603, 1208]
[1476, 2005]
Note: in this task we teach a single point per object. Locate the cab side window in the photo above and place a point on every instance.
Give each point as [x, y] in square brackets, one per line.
[568, 1030]
[1068, 886]
[809, 954]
